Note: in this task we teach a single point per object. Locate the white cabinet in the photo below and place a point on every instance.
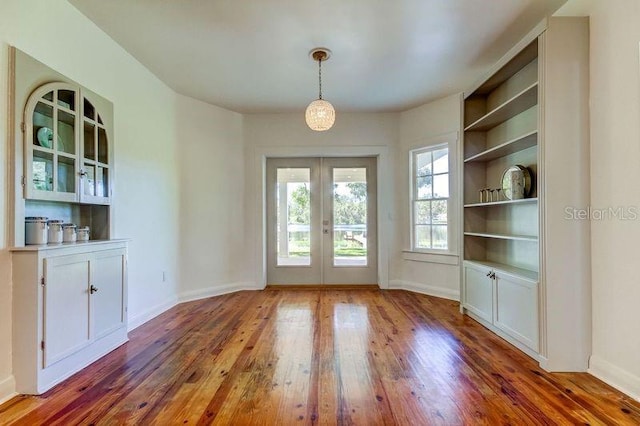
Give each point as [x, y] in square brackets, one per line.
[531, 112]
[70, 308]
[478, 292]
[504, 302]
[516, 307]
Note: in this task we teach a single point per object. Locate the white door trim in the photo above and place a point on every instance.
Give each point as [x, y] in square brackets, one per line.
[259, 214]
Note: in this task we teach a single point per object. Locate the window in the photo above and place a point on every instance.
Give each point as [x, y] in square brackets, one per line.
[430, 198]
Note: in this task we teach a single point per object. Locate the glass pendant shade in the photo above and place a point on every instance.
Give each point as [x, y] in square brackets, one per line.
[320, 115]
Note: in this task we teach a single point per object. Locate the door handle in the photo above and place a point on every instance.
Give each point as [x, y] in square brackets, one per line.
[325, 231]
[93, 289]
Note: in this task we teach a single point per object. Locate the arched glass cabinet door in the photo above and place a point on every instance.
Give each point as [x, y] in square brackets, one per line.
[67, 149]
[51, 143]
[96, 156]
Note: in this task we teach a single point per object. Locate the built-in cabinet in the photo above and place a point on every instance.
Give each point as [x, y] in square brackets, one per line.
[69, 299]
[507, 243]
[70, 308]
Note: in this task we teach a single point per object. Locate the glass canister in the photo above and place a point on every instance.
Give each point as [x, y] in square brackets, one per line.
[83, 233]
[35, 230]
[69, 233]
[55, 231]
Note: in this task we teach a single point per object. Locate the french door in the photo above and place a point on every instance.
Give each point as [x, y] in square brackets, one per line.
[321, 221]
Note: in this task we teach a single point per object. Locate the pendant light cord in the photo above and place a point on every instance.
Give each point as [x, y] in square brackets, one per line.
[320, 77]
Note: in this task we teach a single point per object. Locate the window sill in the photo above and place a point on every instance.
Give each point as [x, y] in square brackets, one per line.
[431, 257]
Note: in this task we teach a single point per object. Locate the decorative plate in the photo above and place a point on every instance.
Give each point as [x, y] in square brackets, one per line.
[45, 137]
[516, 182]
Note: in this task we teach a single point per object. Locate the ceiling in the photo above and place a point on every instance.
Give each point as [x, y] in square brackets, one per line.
[251, 56]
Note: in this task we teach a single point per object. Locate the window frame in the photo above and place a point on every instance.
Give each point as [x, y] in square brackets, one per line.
[413, 198]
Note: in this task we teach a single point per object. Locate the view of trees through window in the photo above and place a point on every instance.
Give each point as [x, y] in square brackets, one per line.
[349, 219]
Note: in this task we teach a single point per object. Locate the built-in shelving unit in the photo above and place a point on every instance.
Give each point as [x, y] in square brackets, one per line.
[520, 102]
[503, 236]
[502, 203]
[525, 272]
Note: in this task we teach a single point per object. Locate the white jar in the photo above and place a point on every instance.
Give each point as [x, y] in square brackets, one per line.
[55, 231]
[83, 233]
[35, 230]
[69, 233]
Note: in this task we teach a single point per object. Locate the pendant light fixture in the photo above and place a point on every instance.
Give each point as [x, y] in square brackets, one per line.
[320, 114]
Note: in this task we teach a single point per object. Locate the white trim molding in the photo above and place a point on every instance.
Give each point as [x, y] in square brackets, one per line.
[615, 376]
[430, 257]
[429, 290]
[7, 389]
[219, 290]
[141, 318]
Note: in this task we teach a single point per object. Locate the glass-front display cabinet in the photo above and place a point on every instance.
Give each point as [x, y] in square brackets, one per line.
[67, 150]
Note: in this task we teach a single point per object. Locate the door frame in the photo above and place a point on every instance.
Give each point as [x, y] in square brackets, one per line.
[259, 215]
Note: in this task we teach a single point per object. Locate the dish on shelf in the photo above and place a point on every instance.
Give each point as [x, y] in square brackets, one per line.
[516, 182]
[45, 137]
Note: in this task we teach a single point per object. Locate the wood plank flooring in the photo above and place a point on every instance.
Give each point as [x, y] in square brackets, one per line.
[353, 357]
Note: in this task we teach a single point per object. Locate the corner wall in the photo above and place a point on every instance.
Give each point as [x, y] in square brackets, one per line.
[615, 153]
[212, 175]
[437, 275]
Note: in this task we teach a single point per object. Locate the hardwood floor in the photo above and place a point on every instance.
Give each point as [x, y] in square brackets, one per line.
[362, 357]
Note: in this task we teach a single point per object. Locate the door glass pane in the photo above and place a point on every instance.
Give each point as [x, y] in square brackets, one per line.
[43, 125]
[293, 217]
[102, 182]
[350, 216]
[66, 133]
[103, 150]
[42, 171]
[89, 110]
[66, 174]
[89, 141]
[89, 180]
[67, 99]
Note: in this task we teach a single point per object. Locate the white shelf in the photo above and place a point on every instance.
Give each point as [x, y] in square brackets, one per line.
[509, 109]
[502, 203]
[528, 238]
[510, 147]
[509, 269]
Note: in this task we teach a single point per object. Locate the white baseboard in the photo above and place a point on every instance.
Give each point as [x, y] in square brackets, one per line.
[137, 320]
[7, 389]
[218, 290]
[429, 290]
[615, 376]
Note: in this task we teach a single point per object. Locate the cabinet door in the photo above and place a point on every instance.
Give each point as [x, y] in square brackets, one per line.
[478, 291]
[51, 135]
[517, 308]
[66, 306]
[108, 301]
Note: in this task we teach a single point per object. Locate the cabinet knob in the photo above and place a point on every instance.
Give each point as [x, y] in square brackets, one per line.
[93, 289]
[82, 173]
[489, 274]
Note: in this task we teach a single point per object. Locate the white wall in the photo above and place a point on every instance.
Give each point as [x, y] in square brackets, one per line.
[145, 193]
[615, 154]
[430, 124]
[212, 176]
[282, 135]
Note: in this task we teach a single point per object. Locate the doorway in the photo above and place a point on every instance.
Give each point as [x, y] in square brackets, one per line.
[321, 220]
